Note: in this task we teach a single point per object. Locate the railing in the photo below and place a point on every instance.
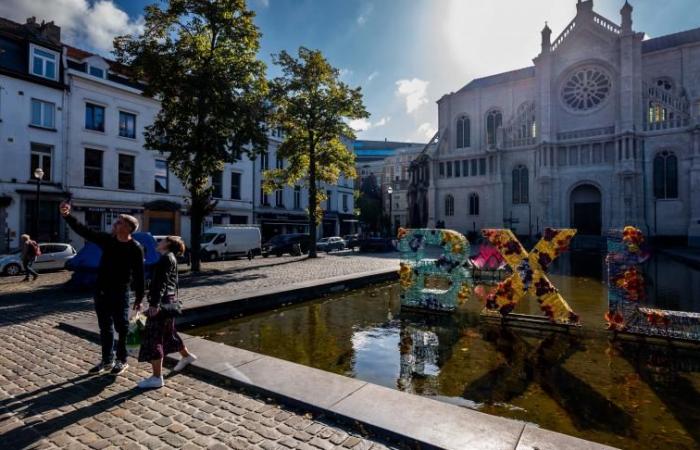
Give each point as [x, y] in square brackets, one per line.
[676, 122]
[564, 34]
[581, 134]
[680, 104]
[519, 142]
[605, 23]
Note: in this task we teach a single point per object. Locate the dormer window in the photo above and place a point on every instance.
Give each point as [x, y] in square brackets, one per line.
[43, 62]
[97, 72]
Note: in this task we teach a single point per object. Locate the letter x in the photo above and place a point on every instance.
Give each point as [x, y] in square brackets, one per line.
[529, 273]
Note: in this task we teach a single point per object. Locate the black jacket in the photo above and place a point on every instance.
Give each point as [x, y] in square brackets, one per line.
[164, 281]
[121, 264]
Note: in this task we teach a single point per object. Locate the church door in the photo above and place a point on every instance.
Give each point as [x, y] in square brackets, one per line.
[586, 210]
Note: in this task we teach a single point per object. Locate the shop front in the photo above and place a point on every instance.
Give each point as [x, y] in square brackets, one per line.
[272, 224]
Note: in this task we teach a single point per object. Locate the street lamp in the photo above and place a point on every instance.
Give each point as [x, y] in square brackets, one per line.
[38, 174]
[390, 190]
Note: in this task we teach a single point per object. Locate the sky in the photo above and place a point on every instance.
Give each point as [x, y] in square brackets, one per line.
[405, 54]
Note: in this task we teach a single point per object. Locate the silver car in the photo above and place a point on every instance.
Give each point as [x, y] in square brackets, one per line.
[329, 244]
[53, 256]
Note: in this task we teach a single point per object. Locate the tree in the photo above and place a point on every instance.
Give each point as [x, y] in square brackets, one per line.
[199, 58]
[313, 107]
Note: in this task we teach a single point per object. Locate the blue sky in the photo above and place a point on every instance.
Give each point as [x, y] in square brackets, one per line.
[404, 53]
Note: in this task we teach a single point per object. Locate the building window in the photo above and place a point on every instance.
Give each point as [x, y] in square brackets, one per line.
[473, 164]
[482, 166]
[162, 176]
[665, 175]
[520, 185]
[41, 157]
[465, 168]
[44, 63]
[93, 168]
[345, 202]
[264, 161]
[442, 169]
[94, 117]
[297, 197]
[449, 205]
[127, 125]
[494, 121]
[97, 72]
[42, 114]
[217, 182]
[264, 201]
[586, 88]
[449, 169]
[126, 172]
[93, 220]
[657, 113]
[235, 185]
[463, 132]
[473, 204]
[457, 169]
[329, 200]
[279, 198]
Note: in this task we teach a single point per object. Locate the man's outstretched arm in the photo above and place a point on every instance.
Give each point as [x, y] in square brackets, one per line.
[98, 238]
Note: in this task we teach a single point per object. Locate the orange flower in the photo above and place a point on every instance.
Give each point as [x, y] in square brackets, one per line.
[402, 233]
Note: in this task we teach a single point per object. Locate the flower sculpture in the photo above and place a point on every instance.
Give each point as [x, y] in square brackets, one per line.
[415, 268]
[625, 280]
[529, 273]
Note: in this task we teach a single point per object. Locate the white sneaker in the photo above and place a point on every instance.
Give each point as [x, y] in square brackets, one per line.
[184, 362]
[152, 382]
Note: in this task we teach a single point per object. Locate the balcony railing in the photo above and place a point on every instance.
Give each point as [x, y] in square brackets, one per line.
[677, 122]
[582, 134]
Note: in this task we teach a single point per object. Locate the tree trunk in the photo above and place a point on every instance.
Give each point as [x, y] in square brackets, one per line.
[312, 199]
[196, 219]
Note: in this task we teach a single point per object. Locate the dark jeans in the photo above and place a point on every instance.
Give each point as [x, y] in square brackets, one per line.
[112, 315]
[28, 269]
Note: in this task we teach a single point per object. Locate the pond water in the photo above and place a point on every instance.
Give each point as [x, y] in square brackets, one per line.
[621, 393]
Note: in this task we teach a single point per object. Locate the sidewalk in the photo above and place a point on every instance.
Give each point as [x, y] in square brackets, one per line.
[47, 401]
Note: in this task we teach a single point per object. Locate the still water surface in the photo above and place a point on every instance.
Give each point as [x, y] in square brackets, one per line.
[624, 394]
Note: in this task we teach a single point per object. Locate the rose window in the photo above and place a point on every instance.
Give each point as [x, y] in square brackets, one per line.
[586, 89]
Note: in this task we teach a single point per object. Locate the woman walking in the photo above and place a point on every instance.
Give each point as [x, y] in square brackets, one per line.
[160, 337]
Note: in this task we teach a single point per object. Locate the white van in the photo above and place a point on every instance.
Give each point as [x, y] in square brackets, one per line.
[222, 241]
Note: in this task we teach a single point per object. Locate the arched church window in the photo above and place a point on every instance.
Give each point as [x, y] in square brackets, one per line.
[494, 121]
[520, 185]
[463, 138]
[657, 113]
[473, 204]
[586, 88]
[449, 205]
[665, 175]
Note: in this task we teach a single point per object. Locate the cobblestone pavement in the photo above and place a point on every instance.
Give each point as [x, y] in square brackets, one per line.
[47, 401]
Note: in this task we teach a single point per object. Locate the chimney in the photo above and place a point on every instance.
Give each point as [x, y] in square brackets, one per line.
[50, 31]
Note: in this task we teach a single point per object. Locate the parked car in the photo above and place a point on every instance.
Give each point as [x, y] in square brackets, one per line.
[328, 244]
[377, 244]
[352, 241]
[294, 244]
[53, 256]
[230, 240]
[182, 259]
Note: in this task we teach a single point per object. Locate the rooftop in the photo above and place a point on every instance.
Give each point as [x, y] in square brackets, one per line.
[671, 40]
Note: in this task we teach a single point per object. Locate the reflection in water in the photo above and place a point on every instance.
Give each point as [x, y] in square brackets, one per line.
[621, 393]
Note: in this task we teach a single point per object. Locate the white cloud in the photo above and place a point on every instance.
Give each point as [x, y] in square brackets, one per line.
[426, 130]
[345, 73]
[383, 121]
[414, 91]
[364, 124]
[360, 124]
[91, 26]
[364, 15]
[372, 76]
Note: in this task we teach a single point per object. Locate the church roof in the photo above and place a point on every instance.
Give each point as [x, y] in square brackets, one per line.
[671, 40]
[500, 78]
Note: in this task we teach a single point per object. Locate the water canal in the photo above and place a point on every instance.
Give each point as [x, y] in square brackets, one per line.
[621, 393]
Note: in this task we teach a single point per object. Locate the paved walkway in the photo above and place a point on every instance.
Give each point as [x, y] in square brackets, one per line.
[47, 401]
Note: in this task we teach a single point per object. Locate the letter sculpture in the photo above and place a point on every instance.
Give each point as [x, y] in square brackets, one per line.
[415, 268]
[626, 292]
[529, 273]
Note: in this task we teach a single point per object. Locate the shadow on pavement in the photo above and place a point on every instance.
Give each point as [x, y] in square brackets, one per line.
[69, 392]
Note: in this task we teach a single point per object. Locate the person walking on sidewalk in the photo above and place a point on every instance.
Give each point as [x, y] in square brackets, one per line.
[30, 250]
[160, 336]
[121, 267]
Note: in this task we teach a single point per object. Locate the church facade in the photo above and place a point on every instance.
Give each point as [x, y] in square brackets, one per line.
[601, 132]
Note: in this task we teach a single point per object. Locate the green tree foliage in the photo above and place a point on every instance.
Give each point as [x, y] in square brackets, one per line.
[199, 58]
[313, 107]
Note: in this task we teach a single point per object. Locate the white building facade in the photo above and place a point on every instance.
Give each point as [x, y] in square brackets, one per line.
[32, 113]
[601, 132]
